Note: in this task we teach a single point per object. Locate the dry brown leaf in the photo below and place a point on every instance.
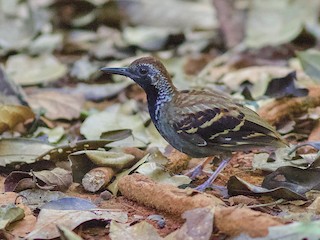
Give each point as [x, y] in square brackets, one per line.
[45, 227]
[141, 231]
[11, 115]
[198, 225]
[58, 178]
[57, 105]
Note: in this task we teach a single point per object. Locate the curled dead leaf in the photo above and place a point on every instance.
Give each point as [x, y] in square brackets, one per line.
[56, 179]
[11, 115]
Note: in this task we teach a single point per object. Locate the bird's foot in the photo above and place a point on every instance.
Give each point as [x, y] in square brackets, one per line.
[198, 170]
[195, 172]
[223, 191]
[203, 186]
[213, 177]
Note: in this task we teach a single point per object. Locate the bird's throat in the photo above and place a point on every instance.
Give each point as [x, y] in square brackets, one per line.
[157, 98]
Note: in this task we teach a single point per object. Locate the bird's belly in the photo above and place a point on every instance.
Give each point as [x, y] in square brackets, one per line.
[182, 144]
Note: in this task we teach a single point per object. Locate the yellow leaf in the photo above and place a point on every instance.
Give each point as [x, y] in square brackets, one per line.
[11, 115]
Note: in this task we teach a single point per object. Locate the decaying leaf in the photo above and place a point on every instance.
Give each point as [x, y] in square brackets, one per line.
[53, 135]
[67, 234]
[17, 181]
[20, 150]
[148, 38]
[272, 22]
[10, 92]
[293, 178]
[114, 160]
[310, 61]
[8, 214]
[198, 225]
[83, 161]
[297, 230]
[116, 135]
[237, 186]
[46, 43]
[36, 198]
[11, 115]
[12, 202]
[259, 76]
[285, 87]
[98, 92]
[176, 14]
[141, 231]
[116, 118]
[69, 203]
[27, 70]
[83, 69]
[57, 105]
[113, 187]
[56, 179]
[283, 157]
[62, 152]
[22, 27]
[45, 227]
[157, 173]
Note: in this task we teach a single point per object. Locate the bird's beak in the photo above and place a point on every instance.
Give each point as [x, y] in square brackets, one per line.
[119, 71]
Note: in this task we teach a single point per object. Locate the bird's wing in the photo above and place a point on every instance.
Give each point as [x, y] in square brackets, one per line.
[220, 122]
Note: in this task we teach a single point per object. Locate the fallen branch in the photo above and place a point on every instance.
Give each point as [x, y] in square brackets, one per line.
[164, 197]
[284, 109]
[234, 221]
[97, 178]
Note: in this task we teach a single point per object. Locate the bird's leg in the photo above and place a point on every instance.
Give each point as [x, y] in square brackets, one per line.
[214, 175]
[197, 170]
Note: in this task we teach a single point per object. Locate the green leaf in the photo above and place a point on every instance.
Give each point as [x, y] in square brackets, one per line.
[296, 230]
[116, 117]
[8, 214]
[157, 173]
[110, 159]
[142, 231]
[275, 22]
[310, 61]
[113, 187]
[67, 234]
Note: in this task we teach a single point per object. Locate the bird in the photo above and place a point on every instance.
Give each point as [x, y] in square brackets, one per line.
[199, 123]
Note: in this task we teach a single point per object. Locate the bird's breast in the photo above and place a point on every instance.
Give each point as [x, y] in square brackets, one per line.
[161, 120]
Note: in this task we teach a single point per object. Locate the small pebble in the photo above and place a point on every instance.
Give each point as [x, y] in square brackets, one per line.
[106, 195]
[161, 222]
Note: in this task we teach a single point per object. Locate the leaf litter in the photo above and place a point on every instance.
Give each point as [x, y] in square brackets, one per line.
[88, 132]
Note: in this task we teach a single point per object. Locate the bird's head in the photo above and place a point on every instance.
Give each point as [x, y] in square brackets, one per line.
[148, 72]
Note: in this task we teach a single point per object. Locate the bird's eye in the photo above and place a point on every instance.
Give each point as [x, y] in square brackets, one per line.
[143, 71]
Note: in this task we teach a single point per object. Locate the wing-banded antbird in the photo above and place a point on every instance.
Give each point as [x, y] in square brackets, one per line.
[199, 123]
